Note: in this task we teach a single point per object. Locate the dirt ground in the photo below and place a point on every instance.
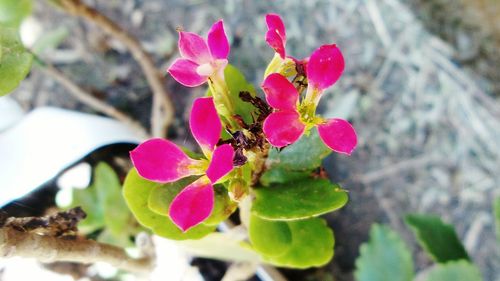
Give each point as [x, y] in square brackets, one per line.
[424, 108]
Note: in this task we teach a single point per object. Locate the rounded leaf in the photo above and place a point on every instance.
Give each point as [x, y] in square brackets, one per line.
[270, 238]
[312, 245]
[15, 61]
[298, 200]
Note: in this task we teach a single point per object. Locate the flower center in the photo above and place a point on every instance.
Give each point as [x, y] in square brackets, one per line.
[205, 69]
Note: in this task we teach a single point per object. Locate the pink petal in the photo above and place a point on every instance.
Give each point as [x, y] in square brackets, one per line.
[193, 204]
[221, 163]
[283, 128]
[274, 22]
[217, 41]
[184, 72]
[325, 66]
[276, 34]
[160, 160]
[275, 41]
[205, 123]
[339, 135]
[280, 93]
[193, 47]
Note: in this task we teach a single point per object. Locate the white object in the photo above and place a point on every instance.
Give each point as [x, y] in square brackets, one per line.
[47, 141]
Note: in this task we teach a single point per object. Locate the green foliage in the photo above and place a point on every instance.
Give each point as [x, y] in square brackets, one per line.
[455, 271]
[306, 243]
[12, 12]
[271, 238]
[304, 155]
[384, 257]
[437, 238]
[237, 83]
[15, 61]
[50, 40]
[279, 175]
[137, 190]
[106, 209]
[298, 199]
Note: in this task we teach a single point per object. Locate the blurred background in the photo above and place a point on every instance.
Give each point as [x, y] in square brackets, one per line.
[421, 87]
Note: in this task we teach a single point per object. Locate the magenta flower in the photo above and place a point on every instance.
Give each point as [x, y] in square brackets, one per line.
[201, 58]
[161, 161]
[292, 118]
[276, 34]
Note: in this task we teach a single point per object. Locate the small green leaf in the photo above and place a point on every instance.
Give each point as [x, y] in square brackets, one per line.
[50, 40]
[270, 238]
[162, 196]
[496, 210]
[12, 12]
[87, 199]
[220, 246]
[312, 245]
[279, 175]
[455, 271]
[108, 189]
[299, 199]
[306, 154]
[237, 83]
[136, 191]
[15, 62]
[384, 257]
[437, 238]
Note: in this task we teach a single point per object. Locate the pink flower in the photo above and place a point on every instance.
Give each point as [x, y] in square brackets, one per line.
[325, 66]
[161, 161]
[276, 34]
[290, 119]
[200, 58]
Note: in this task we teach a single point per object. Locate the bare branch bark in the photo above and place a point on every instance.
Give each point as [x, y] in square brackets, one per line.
[163, 110]
[48, 249]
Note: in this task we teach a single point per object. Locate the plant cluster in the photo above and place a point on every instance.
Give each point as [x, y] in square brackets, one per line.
[261, 155]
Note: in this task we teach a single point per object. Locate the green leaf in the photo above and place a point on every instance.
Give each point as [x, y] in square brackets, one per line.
[312, 245]
[237, 83]
[299, 199]
[136, 191]
[455, 271]
[221, 246]
[306, 154]
[12, 12]
[50, 40]
[384, 257]
[437, 238]
[15, 61]
[87, 199]
[162, 196]
[108, 190]
[270, 238]
[279, 175]
[496, 210]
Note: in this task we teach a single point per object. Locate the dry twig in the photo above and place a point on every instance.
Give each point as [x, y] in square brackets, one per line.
[89, 100]
[163, 110]
[51, 239]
